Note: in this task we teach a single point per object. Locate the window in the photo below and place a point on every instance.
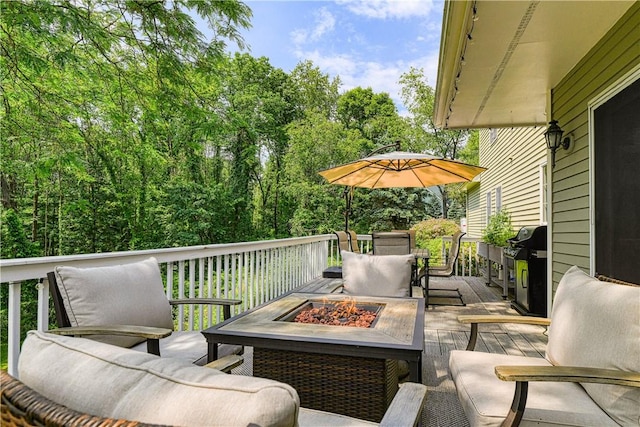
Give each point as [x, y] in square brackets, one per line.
[493, 135]
[498, 198]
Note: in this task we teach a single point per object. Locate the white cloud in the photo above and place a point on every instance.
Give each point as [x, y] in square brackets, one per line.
[380, 77]
[298, 36]
[388, 9]
[325, 22]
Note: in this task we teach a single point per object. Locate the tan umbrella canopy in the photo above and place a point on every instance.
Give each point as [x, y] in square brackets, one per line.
[398, 169]
[401, 169]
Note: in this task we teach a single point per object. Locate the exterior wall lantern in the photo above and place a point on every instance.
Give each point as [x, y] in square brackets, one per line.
[554, 139]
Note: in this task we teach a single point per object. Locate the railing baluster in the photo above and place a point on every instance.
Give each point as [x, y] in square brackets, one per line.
[201, 293]
[209, 289]
[169, 288]
[192, 290]
[218, 284]
[43, 305]
[181, 295]
[14, 327]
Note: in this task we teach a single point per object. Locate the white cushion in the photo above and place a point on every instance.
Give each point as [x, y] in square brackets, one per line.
[486, 399]
[383, 275]
[129, 294]
[110, 381]
[597, 324]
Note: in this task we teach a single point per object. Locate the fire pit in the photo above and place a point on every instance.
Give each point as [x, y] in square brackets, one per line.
[347, 370]
[335, 313]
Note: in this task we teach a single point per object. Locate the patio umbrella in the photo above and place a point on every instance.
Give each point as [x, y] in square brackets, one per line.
[399, 169]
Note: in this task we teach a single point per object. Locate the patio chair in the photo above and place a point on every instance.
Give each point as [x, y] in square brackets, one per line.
[353, 239]
[126, 305]
[412, 236]
[343, 240]
[590, 373]
[391, 243]
[444, 270]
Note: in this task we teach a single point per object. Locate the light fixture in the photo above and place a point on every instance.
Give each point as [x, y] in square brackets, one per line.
[553, 135]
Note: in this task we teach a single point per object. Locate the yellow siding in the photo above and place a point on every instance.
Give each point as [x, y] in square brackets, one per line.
[613, 57]
[513, 161]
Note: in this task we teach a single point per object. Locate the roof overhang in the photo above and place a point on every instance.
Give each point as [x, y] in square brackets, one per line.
[499, 60]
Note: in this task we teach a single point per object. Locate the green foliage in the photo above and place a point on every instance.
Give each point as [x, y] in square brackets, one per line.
[124, 129]
[499, 229]
[434, 228]
[15, 243]
[429, 235]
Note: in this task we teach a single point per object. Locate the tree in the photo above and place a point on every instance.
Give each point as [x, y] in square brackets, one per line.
[419, 98]
[96, 100]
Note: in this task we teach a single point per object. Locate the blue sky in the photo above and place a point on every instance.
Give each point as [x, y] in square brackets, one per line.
[368, 43]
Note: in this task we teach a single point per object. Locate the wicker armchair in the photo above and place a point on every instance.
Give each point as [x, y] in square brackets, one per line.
[22, 406]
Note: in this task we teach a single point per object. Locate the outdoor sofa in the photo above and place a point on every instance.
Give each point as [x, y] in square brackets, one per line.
[95, 379]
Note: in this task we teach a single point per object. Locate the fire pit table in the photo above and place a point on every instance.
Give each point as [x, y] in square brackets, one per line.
[344, 369]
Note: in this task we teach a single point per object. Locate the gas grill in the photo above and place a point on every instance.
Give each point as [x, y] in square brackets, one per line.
[528, 249]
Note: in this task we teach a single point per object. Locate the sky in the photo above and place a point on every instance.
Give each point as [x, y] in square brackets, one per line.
[368, 43]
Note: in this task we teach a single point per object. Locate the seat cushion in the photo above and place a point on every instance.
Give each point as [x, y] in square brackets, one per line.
[373, 275]
[597, 324]
[189, 345]
[486, 399]
[115, 382]
[129, 294]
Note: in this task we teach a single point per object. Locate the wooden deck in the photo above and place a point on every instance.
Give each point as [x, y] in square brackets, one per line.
[443, 333]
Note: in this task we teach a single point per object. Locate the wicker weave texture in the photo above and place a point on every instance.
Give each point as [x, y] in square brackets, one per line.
[22, 406]
[355, 386]
[616, 281]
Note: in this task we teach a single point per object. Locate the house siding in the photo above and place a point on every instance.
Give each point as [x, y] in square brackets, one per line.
[615, 55]
[513, 163]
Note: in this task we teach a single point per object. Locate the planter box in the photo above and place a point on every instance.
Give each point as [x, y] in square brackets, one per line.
[496, 253]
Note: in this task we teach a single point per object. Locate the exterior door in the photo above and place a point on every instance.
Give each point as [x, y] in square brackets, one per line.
[617, 185]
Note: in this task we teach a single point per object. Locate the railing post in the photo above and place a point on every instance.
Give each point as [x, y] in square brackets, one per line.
[43, 305]
[14, 328]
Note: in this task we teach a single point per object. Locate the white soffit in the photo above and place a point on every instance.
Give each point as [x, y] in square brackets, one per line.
[517, 52]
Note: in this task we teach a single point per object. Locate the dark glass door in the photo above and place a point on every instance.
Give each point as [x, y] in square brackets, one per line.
[617, 185]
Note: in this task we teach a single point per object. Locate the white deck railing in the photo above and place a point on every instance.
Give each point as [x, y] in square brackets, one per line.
[254, 272]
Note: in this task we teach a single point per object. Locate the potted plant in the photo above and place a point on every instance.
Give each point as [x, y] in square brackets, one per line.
[495, 236]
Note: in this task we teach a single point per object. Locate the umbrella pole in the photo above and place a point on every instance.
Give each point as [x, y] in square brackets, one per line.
[347, 198]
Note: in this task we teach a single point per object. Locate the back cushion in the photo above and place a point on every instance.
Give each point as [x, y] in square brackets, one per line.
[108, 381]
[597, 324]
[383, 276]
[129, 294]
